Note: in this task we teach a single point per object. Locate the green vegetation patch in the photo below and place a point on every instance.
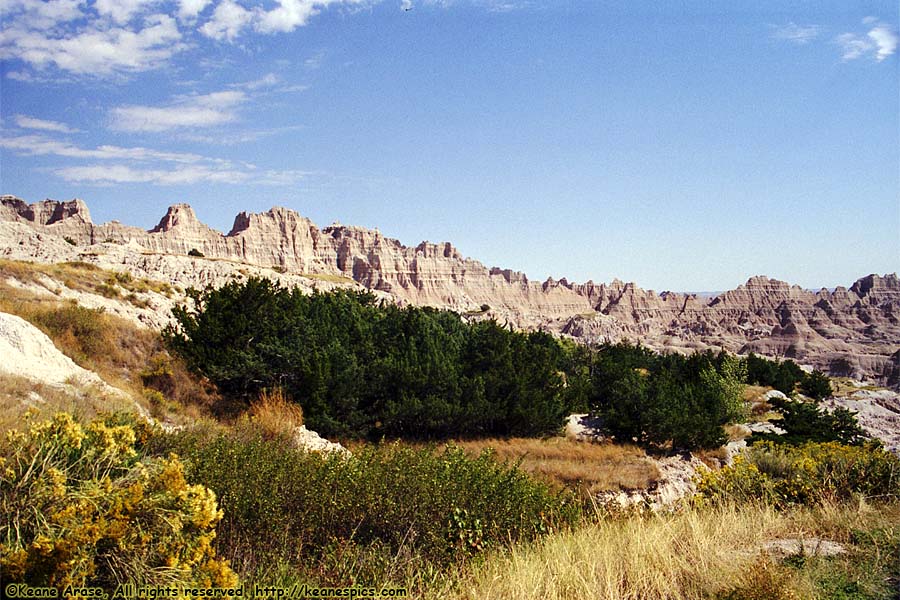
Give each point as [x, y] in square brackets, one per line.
[363, 368]
[430, 507]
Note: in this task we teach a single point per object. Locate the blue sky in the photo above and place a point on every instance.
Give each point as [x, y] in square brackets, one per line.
[682, 145]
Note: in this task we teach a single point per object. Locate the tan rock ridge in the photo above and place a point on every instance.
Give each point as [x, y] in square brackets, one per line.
[855, 329]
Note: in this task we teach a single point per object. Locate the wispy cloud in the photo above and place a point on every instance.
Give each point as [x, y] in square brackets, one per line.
[878, 43]
[497, 6]
[26, 122]
[798, 34]
[193, 111]
[110, 174]
[106, 174]
[234, 137]
[120, 165]
[315, 61]
[40, 145]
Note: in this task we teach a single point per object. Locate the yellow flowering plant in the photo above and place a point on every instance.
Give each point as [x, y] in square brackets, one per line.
[80, 506]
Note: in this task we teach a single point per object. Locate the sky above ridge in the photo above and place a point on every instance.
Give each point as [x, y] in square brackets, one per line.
[682, 145]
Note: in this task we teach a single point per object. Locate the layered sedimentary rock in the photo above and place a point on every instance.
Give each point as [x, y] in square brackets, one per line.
[853, 331]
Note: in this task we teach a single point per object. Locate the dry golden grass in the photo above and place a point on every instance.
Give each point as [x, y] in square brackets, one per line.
[275, 414]
[19, 394]
[84, 277]
[690, 555]
[844, 386]
[589, 467]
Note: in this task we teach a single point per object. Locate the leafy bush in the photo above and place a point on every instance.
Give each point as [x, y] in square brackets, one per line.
[807, 474]
[195, 252]
[79, 507]
[301, 507]
[656, 399]
[361, 368]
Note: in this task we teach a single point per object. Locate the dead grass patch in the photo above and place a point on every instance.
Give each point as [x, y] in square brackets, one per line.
[20, 394]
[275, 414]
[85, 277]
[688, 555]
[588, 467]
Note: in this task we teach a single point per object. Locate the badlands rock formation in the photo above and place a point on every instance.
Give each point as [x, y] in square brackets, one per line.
[848, 331]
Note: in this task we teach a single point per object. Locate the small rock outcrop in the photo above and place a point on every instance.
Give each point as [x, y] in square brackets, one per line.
[28, 352]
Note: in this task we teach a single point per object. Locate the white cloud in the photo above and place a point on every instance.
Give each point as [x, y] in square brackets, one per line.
[406, 4]
[93, 50]
[121, 11]
[495, 6]
[144, 165]
[190, 9]
[39, 145]
[852, 46]
[41, 15]
[878, 43]
[26, 122]
[109, 174]
[267, 80]
[796, 33]
[227, 21]
[289, 15]
[315, 61]
[102, 38]
[106, 174]
[885, 41]
[193, 111]
[230, 18]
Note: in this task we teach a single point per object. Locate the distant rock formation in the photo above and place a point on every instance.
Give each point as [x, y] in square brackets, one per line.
[855, 331]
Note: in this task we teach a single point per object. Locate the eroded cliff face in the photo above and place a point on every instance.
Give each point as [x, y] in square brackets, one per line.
[857, 327]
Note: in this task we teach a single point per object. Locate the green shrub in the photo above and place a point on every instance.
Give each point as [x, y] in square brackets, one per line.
[807, 422]
[816, 385]
[79, 507]
[361, 368]
[807, 474]
[84, 332]
[301, 507]
[659, 399]
[781, 375]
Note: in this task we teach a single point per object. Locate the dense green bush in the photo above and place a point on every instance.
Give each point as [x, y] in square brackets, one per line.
[816, 385]
[362, 368]
[781, 375]
[657, 399]
[786, 375]
[282, 503]
[807, 422]
[806, 474]
[79, 507]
